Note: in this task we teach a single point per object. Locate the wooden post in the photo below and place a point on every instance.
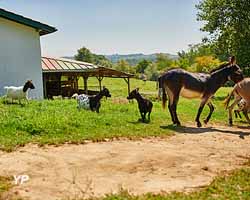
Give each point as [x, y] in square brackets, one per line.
[44, 86]
[100, 82]
[128, 82]
[85, 82]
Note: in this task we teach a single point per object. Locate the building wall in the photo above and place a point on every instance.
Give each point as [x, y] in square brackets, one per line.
[20, 57]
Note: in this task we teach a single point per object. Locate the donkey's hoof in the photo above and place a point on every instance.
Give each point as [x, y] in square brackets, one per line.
[205, 121]
[230, 122]
[199, 124]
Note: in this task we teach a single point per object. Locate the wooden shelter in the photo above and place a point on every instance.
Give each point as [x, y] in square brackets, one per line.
[71, 70]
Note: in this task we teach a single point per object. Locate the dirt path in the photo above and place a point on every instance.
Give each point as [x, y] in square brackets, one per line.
[190, 159]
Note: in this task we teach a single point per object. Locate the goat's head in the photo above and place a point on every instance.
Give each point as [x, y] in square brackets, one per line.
[28, 85]
[133, 94]
[105, 92]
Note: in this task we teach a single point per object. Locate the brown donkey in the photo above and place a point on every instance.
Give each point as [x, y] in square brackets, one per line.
[240, 91]
[178, 82]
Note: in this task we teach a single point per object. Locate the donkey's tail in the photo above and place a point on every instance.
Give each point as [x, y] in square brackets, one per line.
[164, 98]
[227, 99]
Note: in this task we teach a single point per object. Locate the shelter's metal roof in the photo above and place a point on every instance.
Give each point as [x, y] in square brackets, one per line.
[63, 65]
[42, 28]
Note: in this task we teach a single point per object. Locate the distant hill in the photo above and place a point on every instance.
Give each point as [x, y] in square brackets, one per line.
[132, 59]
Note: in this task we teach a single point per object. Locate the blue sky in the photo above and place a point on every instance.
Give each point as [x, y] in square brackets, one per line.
[113, 26]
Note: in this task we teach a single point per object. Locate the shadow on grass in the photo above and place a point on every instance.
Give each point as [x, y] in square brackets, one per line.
[139, 121]
[13, 103]
[195, 130]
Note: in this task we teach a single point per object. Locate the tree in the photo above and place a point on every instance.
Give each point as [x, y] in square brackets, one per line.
[152, 73]
[163, 61]
[122, 65]
[85, 55]
[206, 63]
[142, 65]
[196, 50]
[228, 24]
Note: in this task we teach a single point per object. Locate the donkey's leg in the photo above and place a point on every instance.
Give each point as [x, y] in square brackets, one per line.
[202, 104]
[230, 109]
[174, 108]
[170, 102]
[211, 108]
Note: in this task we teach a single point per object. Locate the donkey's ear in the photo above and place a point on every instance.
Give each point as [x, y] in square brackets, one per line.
[137, 89]
[232, 60]
[103, 87]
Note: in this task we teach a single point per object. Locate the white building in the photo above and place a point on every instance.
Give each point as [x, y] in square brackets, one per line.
[20, 51]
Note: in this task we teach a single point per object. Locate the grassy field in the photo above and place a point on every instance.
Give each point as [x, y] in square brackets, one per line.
[59, 121]
[233, 186]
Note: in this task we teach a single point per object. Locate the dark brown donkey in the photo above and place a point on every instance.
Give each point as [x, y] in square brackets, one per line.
[178, 82]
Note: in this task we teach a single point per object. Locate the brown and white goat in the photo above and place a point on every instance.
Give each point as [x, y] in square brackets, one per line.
[240, 91]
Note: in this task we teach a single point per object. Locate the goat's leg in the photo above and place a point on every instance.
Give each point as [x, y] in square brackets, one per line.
[143, 116]
[246, 115]
[236, 113]
[211, 108]
[149, 115]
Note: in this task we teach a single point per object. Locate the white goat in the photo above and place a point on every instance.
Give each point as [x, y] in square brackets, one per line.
[19, 93]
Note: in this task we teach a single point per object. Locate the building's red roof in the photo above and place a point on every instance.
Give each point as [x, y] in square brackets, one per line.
[50, 65]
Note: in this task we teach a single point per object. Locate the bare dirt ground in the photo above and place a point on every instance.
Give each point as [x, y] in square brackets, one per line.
[184, 162]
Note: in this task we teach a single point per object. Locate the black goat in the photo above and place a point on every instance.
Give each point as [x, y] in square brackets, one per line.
[145, 105]
[91, 102]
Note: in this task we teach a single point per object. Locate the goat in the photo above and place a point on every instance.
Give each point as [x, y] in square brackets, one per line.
[19, 93]
[91, 102]
[145, 106]
[242, 107]
[240, 91]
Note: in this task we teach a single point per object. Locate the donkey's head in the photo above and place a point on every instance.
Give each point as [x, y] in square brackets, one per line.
[236, 74]
[133, 94]
[28, 85]
[105, 92]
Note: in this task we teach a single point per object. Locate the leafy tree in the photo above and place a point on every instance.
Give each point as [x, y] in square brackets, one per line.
[85, 55]
[206, 63]
[142, 65]
[188, 58]
[228, 23]
[122, 65]
[163, 61]
[151, 72]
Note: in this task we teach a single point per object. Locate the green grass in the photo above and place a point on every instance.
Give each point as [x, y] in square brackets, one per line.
[233, 186]
[5, 185]
[59, 121]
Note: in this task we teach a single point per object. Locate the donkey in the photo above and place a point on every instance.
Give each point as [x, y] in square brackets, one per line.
[145, 105]
[240, 92]
[178, 82]
[91, 102]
